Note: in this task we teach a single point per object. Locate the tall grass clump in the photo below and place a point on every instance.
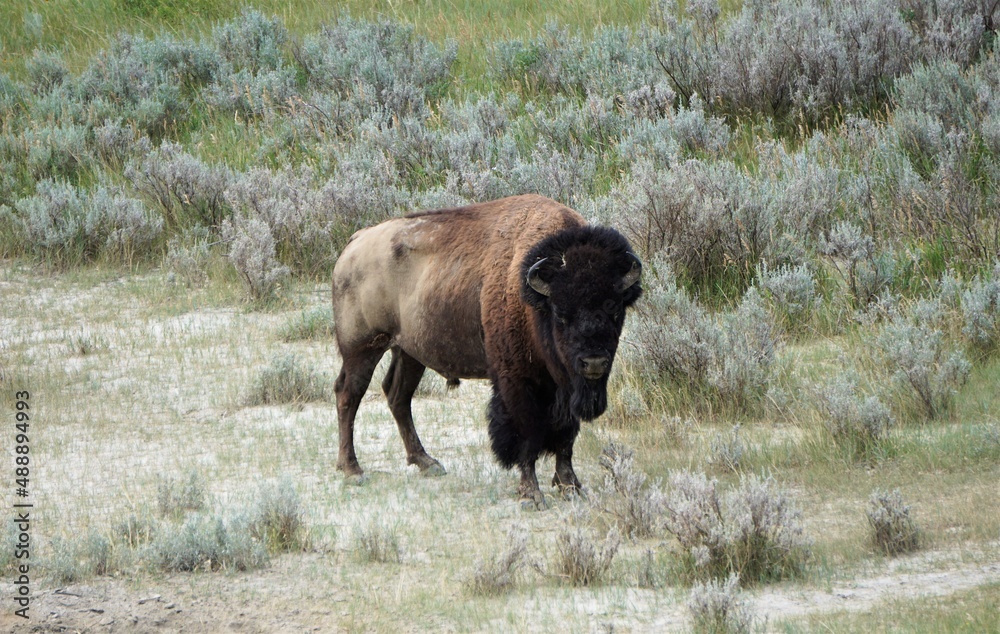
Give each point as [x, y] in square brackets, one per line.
[893, 530]
[753, 530]
[377, 543]
[176, 497]
[285, 380]
[720, 607]
[278, 519]
[498, 574]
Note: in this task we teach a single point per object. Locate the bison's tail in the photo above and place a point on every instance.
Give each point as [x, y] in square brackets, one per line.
[504, 438]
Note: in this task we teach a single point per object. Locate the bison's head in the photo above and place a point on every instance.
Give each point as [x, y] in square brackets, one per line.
[579, 282]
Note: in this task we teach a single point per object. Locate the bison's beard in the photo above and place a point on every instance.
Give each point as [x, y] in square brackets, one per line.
[589, 398]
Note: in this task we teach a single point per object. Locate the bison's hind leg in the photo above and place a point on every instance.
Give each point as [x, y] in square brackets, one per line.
[400, 383]
[350, 387]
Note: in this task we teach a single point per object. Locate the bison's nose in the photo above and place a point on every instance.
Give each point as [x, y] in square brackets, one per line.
[594, 367]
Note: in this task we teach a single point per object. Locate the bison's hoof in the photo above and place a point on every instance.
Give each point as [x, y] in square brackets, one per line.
[433, 470]
[428, 466]
[355, 479]
[572, 492]
[534, 503]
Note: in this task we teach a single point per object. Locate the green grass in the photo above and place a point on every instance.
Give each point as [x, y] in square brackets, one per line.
[967, 611]
[80, 28]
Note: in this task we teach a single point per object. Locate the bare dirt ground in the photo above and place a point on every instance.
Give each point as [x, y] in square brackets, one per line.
[158, 393]
[278, 600]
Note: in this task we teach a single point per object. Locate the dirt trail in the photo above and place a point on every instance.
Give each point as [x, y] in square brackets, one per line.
[269, 601]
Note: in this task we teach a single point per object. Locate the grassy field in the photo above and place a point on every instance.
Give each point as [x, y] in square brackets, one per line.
[149, 386]
[183, 438]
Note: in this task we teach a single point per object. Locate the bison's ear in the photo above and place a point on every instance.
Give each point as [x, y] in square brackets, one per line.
[630, 287]
[535, 281]
[632, 277]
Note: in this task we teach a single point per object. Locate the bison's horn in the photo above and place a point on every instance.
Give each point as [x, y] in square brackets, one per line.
[633, 274]
[535, 281]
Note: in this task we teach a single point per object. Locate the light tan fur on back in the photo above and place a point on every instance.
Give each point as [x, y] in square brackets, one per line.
[425, 282]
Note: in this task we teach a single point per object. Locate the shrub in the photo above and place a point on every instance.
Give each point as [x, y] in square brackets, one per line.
[893, 529]
[251, 41]
[746, 360]
[301, 217]
[46, 70]
[208, 542]
[115, 143]
[188, 191]
[798, 58]
[981, 311]
[377, 543]
[611, 61]
[135, 530]
[12, 96]
[579, 560]
[752, 531]
[867, 273]
[252, 254]
[915, 351]
[635, 506]
[377, 65]
[277, 520]
[126, 80]
[57, 151]
[727, 360]
[719, 607]
[859, 424]
[285, 380]
[498, 574]
[253, 95]
[188, 255]
[728, 450]
[709, 219]
[790, 294]
[64, 225]
[94, 554]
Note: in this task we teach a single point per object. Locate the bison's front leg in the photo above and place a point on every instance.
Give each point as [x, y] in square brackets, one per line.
[531, 495]
[565, 479]
[514, 442]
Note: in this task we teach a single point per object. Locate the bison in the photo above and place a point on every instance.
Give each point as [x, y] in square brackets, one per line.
[519, 290]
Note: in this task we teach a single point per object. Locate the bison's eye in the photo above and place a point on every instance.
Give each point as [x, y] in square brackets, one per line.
[559, 316]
